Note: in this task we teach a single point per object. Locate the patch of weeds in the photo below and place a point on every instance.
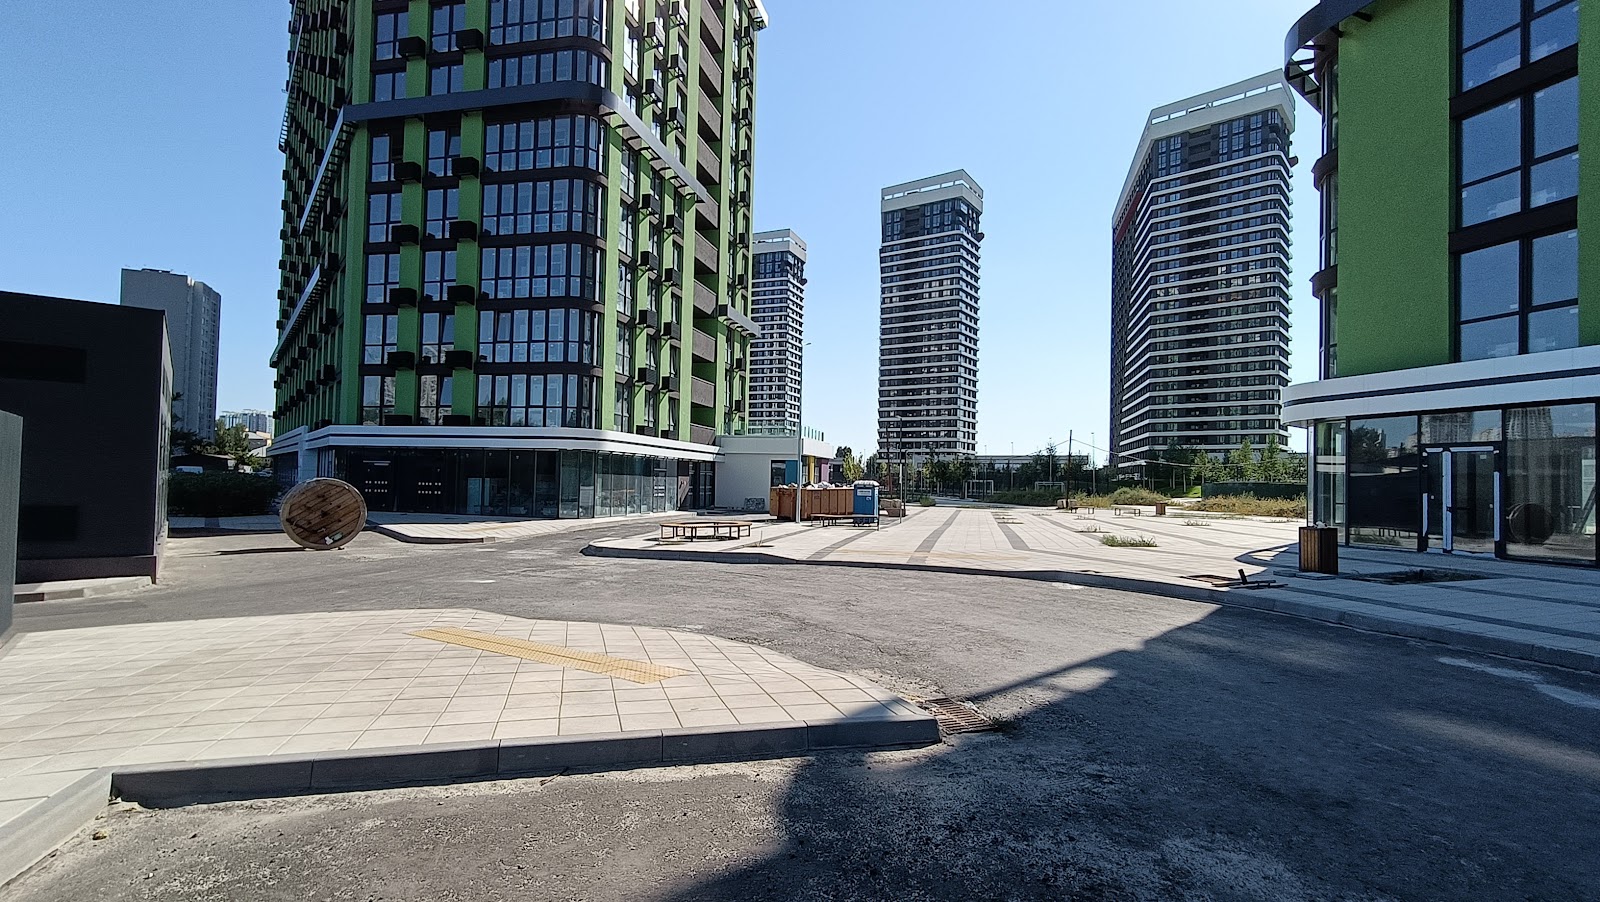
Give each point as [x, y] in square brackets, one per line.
[1195, 523]
[1091, 529]
[1113, 541]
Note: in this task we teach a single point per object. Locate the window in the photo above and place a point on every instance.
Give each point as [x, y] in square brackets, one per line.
[552, 66]
[438, 336]
[391, 27]
[624, 351]
[1500, 36]
[389, 86]
[624, 290]
[383, 214]
[1520, 154]
[383, 275]
[623, 411]
[522, 208]
[543, 144]
[630, 52]
[628, 232]
[381, 336]
[438, 274]
[514, 21]
[627, 173]
[377, 399]
[538, 400]
[449, 78]
[447, 20]
[434, 399]
[537, 336]
[1550, 482]
[444, 147]
[443, 206]
[1520, 297]
[385, 154]
[555, 271]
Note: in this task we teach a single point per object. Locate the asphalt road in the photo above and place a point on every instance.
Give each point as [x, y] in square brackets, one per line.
[1152, 749]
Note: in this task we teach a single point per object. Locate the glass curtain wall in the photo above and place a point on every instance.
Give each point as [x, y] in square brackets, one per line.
[1331, 477]
[1384, 495]
[1550, 483]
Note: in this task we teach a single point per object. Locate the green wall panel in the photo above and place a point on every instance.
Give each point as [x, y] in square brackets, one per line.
[1395, 188]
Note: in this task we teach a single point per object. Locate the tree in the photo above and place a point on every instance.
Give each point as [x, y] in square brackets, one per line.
[1274, 467]
[234, 442]
[1242, 461]
[850, 466]
[1209, 469]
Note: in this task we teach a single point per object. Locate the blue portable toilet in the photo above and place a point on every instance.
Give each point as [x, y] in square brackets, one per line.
[865, 508]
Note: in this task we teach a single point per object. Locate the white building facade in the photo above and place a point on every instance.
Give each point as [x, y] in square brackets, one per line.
[777, 304]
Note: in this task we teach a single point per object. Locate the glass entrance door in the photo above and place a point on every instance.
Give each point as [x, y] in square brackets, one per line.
[1462, 500]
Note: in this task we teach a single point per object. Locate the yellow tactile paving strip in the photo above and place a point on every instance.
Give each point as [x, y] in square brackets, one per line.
[591, 661]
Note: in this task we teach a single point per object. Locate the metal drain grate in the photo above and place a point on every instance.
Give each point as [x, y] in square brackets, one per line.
[956, 717]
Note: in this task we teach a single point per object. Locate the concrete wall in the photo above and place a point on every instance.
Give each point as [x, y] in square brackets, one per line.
[93, 385]
[10, 487]
[745, 470]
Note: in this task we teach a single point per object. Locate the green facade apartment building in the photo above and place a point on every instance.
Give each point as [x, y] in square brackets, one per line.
[516, 251]
[1459, 282]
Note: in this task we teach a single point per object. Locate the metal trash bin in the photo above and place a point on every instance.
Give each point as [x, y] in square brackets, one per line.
[1319, 550]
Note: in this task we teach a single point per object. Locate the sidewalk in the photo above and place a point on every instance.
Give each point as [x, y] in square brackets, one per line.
[1544, 613]
[458, 529]
[262, 706]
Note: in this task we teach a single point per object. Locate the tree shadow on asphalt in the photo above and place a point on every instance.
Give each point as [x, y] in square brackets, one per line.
[1220, 760]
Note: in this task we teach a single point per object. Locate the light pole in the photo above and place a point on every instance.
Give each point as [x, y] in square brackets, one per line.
[800, 434]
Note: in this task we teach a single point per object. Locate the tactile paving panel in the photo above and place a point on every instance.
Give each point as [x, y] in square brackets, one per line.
[559, 655]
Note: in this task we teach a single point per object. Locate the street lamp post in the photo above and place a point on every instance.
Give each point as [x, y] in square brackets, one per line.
[800, 434]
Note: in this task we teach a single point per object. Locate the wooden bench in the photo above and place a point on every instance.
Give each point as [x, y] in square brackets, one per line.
[852, 519]
[690, 530]
[1127, 512]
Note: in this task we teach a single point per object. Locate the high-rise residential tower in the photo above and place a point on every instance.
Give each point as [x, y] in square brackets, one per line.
[928, 318]
[516, 251]
[1200, 276]
[778, 299]
[194, 329]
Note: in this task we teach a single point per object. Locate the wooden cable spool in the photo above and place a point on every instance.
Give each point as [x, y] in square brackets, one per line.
[322, 514]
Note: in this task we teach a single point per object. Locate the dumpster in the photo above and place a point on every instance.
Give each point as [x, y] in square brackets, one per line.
[865, 510]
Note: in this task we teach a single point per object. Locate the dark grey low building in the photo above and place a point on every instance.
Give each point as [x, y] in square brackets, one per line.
[93, 385]
[10, 482]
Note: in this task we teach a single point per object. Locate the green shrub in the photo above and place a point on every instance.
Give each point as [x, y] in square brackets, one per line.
[926, 501]
[1136, 496]
[1250, 505]
[1114, 541]
[220, 494]
[1026, 498]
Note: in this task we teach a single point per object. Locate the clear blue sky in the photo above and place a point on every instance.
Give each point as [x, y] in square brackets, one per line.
[146, 135]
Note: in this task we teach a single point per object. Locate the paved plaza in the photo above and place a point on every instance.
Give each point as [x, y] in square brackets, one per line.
[348, 693]
[1544, 613]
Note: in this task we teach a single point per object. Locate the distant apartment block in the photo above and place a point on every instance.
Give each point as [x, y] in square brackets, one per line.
[928, 318]
[778, 304]
[251, 420]
[194, 322]
[1200, 276]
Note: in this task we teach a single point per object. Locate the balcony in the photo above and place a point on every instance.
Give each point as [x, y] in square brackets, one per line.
[702, 393]
[705, 300]
[711, 24]
[702, 435]
[704, 347]
[711, 115]
[710, 70]
[705, 253]
[710, 214]
[710, 164]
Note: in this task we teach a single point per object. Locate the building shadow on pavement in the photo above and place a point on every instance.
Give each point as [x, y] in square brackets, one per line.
[1261, 759]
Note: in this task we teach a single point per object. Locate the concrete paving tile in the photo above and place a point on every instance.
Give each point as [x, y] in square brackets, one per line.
[417, 705]
[747, 700]
[788, 699]
[834, 696]
[355, 696]
[523, 729]
[403, 721]
[242, 748]
[354, 724]
[650, 721]
[15, 807]
[713, 703]
[494, 687]
[652, 706]
[706, 718]
[588, 709]
[318, 742]
[429, 691]
[30, 748]
[386, 738]
[118, 739]
[770, 714]
[353, 709]
[258, 728]
[227, 716]
[9, 766]
[292, 712]
[812, 712]
[456, 718]
[580, 725]
[476, 703]
[463, 732]
[686, 692]
[78, 728]
[39, 785]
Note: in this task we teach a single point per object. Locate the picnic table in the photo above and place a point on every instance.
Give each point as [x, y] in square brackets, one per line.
[690, 530]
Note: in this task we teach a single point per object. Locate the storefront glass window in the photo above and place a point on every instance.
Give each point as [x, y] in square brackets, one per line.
[1384, 494]
[1331, 476]
[1550, 483]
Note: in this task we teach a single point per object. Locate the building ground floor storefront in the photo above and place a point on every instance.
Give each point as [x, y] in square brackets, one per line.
[523, 473]
[1513, 475]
